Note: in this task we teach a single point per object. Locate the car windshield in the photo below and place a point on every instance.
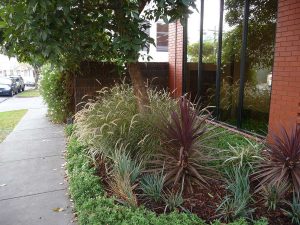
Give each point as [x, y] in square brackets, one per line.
[5, 81]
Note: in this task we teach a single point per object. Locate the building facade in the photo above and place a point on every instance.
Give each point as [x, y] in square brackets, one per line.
[247, 68]
[11, 67]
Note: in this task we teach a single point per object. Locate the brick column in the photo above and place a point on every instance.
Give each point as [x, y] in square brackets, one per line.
[175, 58]
[285, 96]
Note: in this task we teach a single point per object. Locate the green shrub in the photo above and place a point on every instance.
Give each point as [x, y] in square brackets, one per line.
[53, 88]
[69, 129]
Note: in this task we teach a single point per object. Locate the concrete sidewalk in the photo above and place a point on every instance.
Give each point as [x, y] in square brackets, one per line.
[32, 186]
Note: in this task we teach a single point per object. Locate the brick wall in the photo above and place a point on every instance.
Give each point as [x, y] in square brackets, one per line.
[285, 97]
[175, 58]
[92, 76]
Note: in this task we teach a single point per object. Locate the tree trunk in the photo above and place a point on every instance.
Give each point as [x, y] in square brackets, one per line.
[139, 88]
[37, 76]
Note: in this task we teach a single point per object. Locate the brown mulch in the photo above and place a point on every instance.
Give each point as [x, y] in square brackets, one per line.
[204, 202]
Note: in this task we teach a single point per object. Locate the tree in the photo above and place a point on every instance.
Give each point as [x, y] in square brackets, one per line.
[261, 35]
[68, 32]
[209, 52]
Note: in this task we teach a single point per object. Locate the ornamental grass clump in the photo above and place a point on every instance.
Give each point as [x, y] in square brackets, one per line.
[242, 155]
[183, 157]
[281, 161]
[293, 211]
[273, 195]
[152, 185]
[123, 176]
[237, 203]
[113, 117]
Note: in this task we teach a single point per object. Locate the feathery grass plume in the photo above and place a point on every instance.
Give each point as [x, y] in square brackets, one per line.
[113, 117]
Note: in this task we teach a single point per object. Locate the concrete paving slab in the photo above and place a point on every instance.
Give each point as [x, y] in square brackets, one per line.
[12, 151]
[34, 134]
[36, 210]
[31, 169]
[27, 177]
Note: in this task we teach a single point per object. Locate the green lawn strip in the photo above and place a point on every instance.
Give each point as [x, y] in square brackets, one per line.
[93, 206]
[8, 121]
[29, 93]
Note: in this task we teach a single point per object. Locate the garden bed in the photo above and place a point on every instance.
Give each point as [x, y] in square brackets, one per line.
[93, 205]
[170, 163]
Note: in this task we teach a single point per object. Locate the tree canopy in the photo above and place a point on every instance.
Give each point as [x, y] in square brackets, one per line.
[261, 35]
[67, 32]
[209, 52]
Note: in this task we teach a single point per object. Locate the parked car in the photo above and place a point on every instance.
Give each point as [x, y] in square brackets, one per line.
[8, 86]
[20, 83]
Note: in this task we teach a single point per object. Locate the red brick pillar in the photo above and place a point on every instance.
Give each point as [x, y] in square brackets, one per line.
[175, 58]
[285, 96]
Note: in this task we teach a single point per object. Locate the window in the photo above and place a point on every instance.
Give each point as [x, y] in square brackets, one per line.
[162, 37]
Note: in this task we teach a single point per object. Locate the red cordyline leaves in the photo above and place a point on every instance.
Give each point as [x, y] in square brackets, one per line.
[282, 160]
[182, 157]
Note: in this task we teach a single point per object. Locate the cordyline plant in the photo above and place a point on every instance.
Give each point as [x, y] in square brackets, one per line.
[183, 156]
[281, 160]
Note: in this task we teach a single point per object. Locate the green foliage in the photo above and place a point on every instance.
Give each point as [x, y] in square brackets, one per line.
[68, 32]
[152, 185]
[236, 204]
[113, 118]
[294, 209]
[8, 121]
[53, 88]
[209, 52]
[123, 174]
[254, 99]
[69, 129]
[273, 195]
[173, 200]
[261, 35]
[93, 207]
[243, 156]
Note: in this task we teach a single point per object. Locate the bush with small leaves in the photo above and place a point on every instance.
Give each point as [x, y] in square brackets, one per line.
[55, 92]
